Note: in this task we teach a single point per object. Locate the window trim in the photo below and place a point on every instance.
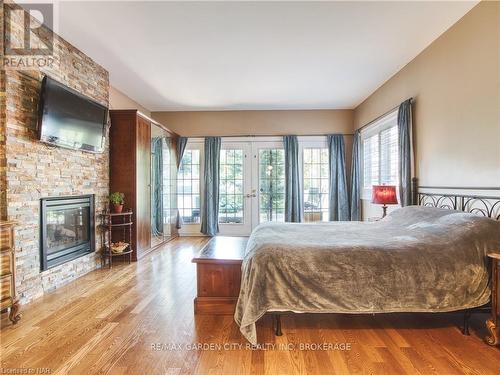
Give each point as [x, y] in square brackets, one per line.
[385, 122]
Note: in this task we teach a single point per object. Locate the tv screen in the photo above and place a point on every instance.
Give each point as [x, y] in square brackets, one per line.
[69, 119]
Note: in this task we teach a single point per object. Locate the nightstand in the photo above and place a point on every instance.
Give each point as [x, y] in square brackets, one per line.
[493, 324]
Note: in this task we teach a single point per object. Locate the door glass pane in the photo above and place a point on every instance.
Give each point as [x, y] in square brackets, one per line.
[231, 207]
[271, 185]
[158, 186]
[66, 228]
[188, 187]
[315, 184]
[169, 187]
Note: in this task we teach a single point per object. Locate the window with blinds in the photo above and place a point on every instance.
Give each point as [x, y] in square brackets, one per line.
[379, 144]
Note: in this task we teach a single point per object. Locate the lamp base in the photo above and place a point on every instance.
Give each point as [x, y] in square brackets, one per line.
[384, 208]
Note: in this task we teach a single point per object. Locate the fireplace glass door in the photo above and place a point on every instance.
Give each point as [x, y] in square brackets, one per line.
[67, 229]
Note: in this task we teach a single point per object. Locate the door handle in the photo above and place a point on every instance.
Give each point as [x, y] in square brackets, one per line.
[253, 195]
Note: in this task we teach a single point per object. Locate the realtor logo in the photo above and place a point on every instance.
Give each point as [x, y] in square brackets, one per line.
[28, 29]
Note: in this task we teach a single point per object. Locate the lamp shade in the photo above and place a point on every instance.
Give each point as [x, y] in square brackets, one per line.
[384, 194]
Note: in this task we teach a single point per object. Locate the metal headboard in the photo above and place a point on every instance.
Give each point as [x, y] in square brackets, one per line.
[481, 205]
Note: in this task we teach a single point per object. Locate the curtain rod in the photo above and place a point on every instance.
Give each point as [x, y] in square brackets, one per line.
[267, 135]
[382, 115]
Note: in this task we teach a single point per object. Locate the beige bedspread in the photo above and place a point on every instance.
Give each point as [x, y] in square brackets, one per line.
[417, 259]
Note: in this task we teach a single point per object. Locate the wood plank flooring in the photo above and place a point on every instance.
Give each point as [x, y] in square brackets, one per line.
[139, 319]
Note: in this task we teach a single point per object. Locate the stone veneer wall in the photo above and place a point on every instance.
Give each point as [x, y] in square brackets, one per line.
[34, 170]
[3, 161]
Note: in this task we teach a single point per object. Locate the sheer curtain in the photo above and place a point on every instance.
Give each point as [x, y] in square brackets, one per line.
[210, 209]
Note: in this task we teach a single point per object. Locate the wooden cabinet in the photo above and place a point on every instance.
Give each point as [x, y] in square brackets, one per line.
[143, 185]
[218, 274]
[130, 170]
[8, 298]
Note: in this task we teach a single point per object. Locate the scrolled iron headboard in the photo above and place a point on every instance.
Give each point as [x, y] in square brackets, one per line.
[481, 205]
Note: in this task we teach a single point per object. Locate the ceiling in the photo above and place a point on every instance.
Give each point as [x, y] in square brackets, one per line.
[173, 56]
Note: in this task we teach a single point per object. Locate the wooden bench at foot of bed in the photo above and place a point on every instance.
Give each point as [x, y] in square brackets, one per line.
[218, 274]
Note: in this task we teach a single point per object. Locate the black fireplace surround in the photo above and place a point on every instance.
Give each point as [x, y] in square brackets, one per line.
[66, 229]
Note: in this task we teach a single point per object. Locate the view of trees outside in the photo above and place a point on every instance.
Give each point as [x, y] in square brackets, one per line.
[271, 180]
[272, 185]
[271, 171]
[231, 188]
[316, 184]
[188, 187]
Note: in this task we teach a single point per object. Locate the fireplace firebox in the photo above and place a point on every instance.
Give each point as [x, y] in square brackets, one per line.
[66, 230]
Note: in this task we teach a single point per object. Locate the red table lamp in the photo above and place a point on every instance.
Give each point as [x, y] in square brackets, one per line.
[384, 194]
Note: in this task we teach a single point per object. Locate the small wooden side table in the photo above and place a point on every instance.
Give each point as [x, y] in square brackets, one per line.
[8, 299]
[116, 228]
[493, 324]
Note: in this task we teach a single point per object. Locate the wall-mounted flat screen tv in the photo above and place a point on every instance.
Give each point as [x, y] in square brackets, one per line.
[69, 119]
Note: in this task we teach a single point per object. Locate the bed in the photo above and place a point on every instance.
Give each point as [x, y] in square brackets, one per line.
[417, 259]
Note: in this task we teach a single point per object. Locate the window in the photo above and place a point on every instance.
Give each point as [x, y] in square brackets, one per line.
[188, 186]
[380, 153]
[316, 184]
[271, 185]
[231, 186]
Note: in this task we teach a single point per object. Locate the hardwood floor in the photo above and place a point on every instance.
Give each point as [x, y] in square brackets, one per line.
[107, 322]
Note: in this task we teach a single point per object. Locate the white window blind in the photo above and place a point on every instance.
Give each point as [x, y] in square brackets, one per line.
[380, 153]
[388, 139]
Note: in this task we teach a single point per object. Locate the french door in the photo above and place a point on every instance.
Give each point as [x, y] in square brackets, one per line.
[252, 185]
[268, 179]
[235, 204]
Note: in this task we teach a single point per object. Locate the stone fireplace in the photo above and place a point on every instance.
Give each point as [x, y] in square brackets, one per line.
[31, 171]
[66, 229]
